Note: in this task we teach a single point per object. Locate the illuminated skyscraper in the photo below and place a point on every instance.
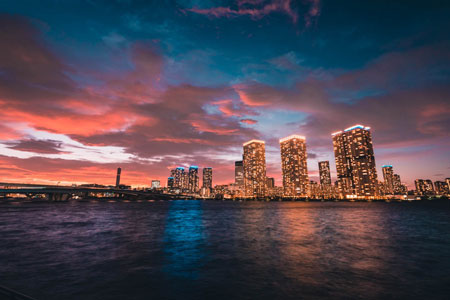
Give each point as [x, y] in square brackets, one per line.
[324, 173]
[156, 184]
[193, 179]
[399, 188]
[355, 162]
[424, 187]
[254, 168]
[441, 188]
[178, 177]
[325, 187]
[239, 173]
[293, 166]
[343, 170]
[170, 182]
[185, 181]
[388, 175]
[313, 190]
[207, 178]
[119, 170]
[270, 182]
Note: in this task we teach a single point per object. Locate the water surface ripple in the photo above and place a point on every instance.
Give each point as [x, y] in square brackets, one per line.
[226, 250]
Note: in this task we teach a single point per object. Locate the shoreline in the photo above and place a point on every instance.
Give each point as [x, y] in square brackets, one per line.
[120, 200]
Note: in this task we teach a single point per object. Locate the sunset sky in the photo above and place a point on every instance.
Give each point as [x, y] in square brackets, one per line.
[89, 86]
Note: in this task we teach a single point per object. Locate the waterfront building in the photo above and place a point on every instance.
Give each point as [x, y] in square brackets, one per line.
[382, 190]
[156, 184]
[293, 166]
[399, 188]
[324, 173]
[424, 187]
[178, 175]
[235, 191]
[276, 191]
[185, 181]
[314, 190]
[207, 178]
[119, 170]
[355, 162]
[221, 191]
[270, 186]
[205, 192]
[254, 168]
[170, 182]
[441, 188]
[270, 182]
[388, 176]
[239, 173]
[325, 179]
[193, 179]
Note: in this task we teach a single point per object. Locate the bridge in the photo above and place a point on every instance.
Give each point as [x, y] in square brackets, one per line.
[64, 193]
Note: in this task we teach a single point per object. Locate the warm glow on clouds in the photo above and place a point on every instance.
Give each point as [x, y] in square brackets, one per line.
[189, 90]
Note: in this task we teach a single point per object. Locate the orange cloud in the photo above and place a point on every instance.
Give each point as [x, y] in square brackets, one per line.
[249, 121]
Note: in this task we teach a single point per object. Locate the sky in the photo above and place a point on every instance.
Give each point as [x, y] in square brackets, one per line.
[89, 86]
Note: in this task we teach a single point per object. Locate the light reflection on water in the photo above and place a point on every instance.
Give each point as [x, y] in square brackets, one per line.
[226, 250]
[183, 239]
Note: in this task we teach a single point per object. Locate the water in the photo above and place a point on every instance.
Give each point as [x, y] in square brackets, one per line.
[226, 250]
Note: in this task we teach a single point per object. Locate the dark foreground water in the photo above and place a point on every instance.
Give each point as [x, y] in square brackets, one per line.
[226, 250]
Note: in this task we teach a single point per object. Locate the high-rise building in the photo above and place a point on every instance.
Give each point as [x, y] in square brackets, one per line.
[185, 181]
[254, 168]
[119, 170]
[355, 162]
[388, 176]
[293, 166]
[178, 177]
[193, 179]
[441, 188]
[170, 182]
[270, 182]
[424, 187]
[324, 173]
[207, 178]
[343, 169]
[313, 189]
[399, 188]
[325, 187]
[156, 184]
[239, 173]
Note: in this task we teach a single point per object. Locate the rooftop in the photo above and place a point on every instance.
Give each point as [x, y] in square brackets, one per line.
[253, 141]
[291, 137]
[356, 127]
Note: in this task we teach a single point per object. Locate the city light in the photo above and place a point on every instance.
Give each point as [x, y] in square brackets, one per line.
[294, 136]
[253, 141]
[355, 167]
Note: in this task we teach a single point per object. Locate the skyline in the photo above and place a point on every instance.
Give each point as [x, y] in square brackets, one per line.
[149, 88]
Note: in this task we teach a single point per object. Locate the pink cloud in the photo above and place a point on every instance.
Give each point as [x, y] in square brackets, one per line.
[130, 112]
[257, 9]
[313, 12]
[249, 121]
[254, 9]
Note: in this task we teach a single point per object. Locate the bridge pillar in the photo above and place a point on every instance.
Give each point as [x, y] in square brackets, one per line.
[49, 196]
